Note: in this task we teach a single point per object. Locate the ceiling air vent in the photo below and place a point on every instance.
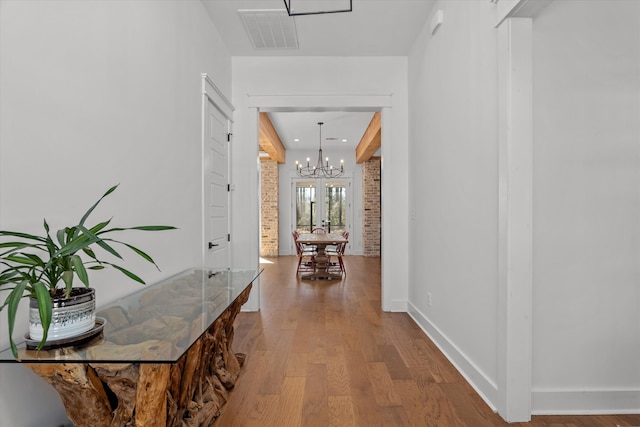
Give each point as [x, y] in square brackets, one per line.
[270, 29]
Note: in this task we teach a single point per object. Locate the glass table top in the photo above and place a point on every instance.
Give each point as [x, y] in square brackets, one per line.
[157, 324]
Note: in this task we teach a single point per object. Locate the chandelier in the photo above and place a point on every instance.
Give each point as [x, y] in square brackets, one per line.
[322, 168]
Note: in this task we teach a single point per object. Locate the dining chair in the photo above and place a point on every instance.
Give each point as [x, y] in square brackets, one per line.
[319, 230]
[338, 253]
[306, 256]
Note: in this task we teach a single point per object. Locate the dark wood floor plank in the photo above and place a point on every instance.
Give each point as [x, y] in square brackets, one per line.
[395, 365]
[384, 390]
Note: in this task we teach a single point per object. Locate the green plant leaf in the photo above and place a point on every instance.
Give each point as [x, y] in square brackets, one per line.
[86, 215]
[70, 233]
[90, 252]
[100, 242]
[60, 234]
[12, 308]
[127, 273]
[152, 227]
[15, 245]
[6, 301]
[22, 260]
[67, 278]
[7, 275]
[139, 252]
[80, 270]
[14, 274]
[44, 309]
[51, 246]
[74, 245]
[142, 254]
[36, 259]
[22, 235]
[46, 226]
[96, 228]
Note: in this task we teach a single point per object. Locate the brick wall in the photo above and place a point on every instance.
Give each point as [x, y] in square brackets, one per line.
[371, 217]
[269, 213]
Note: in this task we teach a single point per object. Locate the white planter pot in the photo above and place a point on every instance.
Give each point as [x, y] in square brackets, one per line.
[71, 316]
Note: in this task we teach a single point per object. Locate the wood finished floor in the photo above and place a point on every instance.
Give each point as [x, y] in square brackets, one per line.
[324, 354]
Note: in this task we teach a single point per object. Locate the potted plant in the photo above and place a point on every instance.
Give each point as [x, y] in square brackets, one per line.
[43, 268]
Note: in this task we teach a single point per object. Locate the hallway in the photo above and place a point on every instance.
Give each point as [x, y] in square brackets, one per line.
[323, 354]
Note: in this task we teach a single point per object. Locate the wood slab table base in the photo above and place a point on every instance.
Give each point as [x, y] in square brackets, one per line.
[189, 392]
[322, 269]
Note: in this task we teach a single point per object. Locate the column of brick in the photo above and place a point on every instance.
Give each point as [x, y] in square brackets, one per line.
[269, 204]
[371, 218]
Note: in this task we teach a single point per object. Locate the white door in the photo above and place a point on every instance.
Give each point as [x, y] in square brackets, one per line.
[321, 203]
[216, 187]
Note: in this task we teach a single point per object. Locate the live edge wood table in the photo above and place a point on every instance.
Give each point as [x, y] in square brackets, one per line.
[321, 241]
[163, 358]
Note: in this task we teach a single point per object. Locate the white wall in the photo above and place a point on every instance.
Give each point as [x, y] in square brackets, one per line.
[586, 200]
[93, 94]
[586, 322]
[453, 188]
[333, 81]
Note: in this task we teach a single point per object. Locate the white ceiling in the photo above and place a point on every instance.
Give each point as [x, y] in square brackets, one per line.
[338, 125]
[373, 28]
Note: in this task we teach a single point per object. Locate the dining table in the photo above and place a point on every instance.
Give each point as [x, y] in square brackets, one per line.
[320, 241]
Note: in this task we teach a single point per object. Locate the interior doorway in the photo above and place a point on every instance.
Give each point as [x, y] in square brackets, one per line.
[393, 251]
[334, 204]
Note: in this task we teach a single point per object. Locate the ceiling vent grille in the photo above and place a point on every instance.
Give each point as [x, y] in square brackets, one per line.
[270, 29]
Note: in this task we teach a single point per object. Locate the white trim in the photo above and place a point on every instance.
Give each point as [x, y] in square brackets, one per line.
[519, 9]
[211, 93]
[347, 102]
[397, 306]
[479, 381]
[253, 245]
[217, 97]
[319, 102]
[585, 402]
[515, 217]
[387, 216]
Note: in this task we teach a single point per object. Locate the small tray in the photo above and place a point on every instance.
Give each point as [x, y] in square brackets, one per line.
[64, 342]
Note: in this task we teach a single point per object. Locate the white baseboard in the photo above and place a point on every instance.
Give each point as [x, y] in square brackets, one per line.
[484, 386]
[543, 401]
[584, 402]
[397, 306]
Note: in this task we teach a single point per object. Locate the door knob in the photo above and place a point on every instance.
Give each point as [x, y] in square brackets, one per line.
[213, 245]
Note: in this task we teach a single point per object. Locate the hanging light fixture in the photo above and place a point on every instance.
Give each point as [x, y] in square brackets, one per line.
[321, 168]
[306, 7]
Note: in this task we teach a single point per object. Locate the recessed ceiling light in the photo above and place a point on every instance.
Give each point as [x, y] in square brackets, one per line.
[296, 139]
[344, 140]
